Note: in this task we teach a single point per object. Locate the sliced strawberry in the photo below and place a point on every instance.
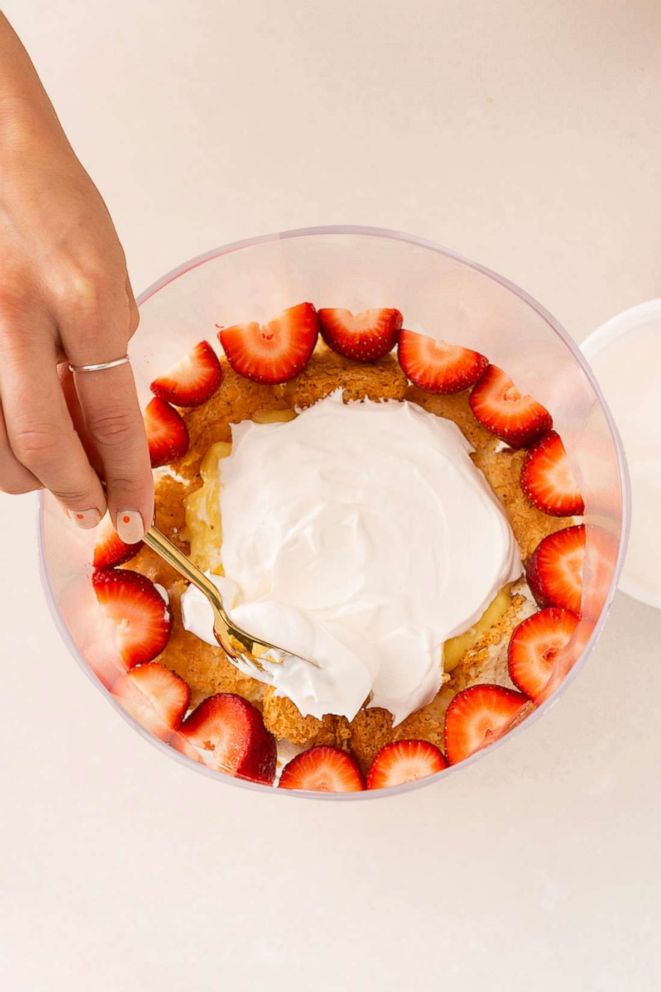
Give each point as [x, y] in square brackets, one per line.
[364, 336]
[566, 659]
[226, 732]
[535, 646]
[167, 433]
[193, 380]
[555, 569]
[477, 716]
[273, 352]
[322, 769]
[404, 761]
[438, 367]
[109, 549]
[137, 608]
[547, 479]
[561, 573]
[512, 416]
[154, 696]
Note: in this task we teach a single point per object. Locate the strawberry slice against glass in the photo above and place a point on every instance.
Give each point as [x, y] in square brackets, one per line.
[404, 761]
[155, 697]
[193, 380]
[516, 418]
[478, 716]
[109, 549]
[322, 769]
[535, 646]
[547, 479]
[565, 660]
[438, 367]
[363, 337]
[139, 614]
[555, 569]
[167, 434]
[276, 351]
[227, 733]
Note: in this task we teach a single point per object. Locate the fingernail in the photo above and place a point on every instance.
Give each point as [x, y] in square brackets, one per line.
[85, 518]
[130, 526]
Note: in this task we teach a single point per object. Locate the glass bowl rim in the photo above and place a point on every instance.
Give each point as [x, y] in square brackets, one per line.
[579, 357]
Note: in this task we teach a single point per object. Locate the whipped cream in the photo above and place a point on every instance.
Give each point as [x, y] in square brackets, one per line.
[360, 535]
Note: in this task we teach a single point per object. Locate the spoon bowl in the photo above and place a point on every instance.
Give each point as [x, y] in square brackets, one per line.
[238, 644]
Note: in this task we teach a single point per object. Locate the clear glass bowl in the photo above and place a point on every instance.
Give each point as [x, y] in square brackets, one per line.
[440, 294]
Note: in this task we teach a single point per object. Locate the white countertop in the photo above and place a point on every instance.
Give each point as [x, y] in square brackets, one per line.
[525, 135]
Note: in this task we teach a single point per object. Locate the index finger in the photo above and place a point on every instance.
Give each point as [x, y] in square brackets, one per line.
[109, 403]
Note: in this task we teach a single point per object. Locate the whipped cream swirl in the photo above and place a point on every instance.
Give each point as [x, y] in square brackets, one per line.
[360, 535]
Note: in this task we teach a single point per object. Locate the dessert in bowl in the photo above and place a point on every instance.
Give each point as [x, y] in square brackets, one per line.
[391, 463]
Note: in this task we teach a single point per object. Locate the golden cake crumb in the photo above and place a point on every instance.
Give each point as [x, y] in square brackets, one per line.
[455, 407]
[327, 371]
[284, 720]
[372, 728]
[503, 473]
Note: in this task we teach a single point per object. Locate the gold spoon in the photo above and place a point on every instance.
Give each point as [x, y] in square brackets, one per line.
[235, 642]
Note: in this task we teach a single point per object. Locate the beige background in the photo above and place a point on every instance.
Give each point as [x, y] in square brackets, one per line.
[527, 135]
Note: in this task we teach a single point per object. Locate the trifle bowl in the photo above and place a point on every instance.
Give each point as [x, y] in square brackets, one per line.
[390, 461]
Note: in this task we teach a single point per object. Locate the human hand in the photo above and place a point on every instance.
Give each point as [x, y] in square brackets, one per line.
[65, 297]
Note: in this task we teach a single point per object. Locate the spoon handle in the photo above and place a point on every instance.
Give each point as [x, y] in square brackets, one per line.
[164, 547]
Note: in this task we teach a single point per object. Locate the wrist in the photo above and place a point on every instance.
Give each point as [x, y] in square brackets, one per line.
[25, 110]
[30, 140]
[25, 126]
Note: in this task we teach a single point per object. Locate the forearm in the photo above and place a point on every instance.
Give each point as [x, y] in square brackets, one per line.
[65, 296]
[26, 112]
